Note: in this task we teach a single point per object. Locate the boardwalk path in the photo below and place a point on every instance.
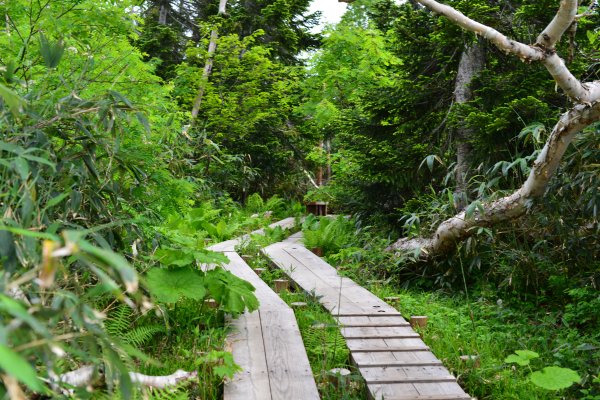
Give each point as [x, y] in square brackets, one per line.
[266, 343]
[392, 358]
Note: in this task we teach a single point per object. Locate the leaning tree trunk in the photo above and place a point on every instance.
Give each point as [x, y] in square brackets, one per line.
[586, 111]
[471, 63]
[212, 47]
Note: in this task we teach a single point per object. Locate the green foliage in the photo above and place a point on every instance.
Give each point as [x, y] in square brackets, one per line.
[330, 235]
[232, 293]
[16, 366]
[554, 378]
[170, 285]
[522, 357]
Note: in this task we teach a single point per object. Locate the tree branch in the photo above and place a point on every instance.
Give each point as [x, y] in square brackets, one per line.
[85, 376]
[516, 204]
[581, 93]
[558, 26]
[523, 51]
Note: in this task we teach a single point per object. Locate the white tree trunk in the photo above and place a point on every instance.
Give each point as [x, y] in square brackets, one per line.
[212, 47]
[585, 112]
[471, 63]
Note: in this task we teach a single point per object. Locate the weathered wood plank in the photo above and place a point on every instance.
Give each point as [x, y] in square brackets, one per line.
[389, 358]
[379, 332]
[246, 343]
[439, 389]
[378, 320]
[407, 391]
[420, 374]
[290, 374]
[392, 345]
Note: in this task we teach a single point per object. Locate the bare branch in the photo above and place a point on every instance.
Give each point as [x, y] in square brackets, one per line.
[558, 26]
[514, 205]
[582, 93]
[523, 51]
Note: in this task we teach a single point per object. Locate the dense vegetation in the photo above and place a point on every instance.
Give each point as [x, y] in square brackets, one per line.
[110, 190]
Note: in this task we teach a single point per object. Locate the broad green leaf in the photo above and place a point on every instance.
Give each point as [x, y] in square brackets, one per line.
[210, 257]
[15, 365]
[170, 285]
[522, 357]
[233, 293]
[177, 257]
[554, 378]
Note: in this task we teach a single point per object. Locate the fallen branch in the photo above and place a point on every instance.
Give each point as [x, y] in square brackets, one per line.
[85, 376]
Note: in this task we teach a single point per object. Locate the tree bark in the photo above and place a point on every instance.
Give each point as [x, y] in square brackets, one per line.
[471, 63]
[212, 47]
[586, 111]
[162, 14]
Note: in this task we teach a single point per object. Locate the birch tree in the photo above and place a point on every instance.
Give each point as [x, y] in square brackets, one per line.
[212, 47]
[585, 110]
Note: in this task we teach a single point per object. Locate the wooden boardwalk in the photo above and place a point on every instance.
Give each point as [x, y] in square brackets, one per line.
[266, 343]
[394, 361]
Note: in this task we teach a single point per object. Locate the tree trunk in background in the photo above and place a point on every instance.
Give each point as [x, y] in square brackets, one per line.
[471, 63]
[212, 46]
[162, 14]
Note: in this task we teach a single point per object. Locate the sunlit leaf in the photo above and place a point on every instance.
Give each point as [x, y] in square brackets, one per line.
[170, 285]
[554, 378]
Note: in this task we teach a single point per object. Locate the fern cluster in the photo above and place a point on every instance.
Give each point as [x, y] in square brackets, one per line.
[330, 235]
[120, 324]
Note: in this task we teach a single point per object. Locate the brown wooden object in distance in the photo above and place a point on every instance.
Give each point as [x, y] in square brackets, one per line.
[318, 208]
[339, 377]
[318, 251]
[211, 303]
[418, 321]
[281, 285]
[259, 271]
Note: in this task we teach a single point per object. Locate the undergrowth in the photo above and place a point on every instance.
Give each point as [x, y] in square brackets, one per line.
[472, 317]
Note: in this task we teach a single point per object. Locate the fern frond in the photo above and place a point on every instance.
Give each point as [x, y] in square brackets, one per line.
[141, 335]
[119, 320]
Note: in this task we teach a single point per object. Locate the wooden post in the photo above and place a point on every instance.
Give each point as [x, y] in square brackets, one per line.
[246, 257]
[317, 251]
[419, 321]
[259, 271]
[339, 377]
[281, 285]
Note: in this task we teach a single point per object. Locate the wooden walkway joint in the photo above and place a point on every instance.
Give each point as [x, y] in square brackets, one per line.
[394, 361]
[266, 343]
